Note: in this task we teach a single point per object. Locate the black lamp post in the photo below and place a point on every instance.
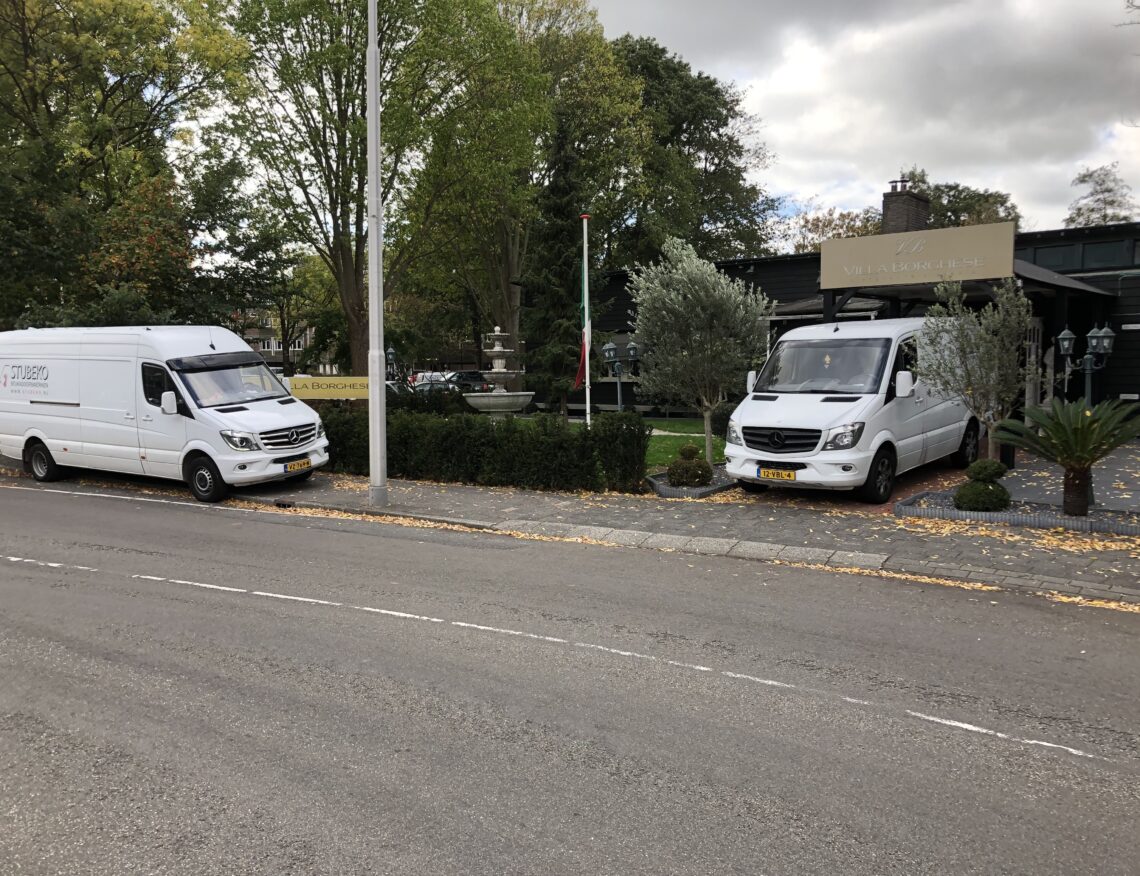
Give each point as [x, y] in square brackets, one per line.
[610, 354]
[1100, 342]
[391, 354]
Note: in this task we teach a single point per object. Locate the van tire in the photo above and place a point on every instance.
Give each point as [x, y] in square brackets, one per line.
[42, 464]
[751, 487]
[204, 480]
[967, 451]
[880, 481]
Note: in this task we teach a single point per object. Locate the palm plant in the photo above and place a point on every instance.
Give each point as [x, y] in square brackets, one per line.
[1074, 437]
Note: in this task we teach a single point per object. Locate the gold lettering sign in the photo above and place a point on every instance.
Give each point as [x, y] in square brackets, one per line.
[329, 387]
[975, 252]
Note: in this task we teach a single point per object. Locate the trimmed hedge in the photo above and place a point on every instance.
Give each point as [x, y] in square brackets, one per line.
[543, 453]
[687, 470]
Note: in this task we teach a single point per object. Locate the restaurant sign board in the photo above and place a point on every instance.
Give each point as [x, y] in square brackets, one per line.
[329, 387]
[973, 252]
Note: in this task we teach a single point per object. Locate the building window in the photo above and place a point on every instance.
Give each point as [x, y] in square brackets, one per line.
[1058, 258]
[1105, 255]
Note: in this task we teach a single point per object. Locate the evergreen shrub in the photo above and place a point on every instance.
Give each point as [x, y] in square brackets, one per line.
[982, 492]
[687, 470]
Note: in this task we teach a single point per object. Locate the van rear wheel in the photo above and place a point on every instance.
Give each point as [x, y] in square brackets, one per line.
[204, 480]
[42, 464]
[880, 481]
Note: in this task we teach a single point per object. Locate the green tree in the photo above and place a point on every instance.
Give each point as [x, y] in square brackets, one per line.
[1076, 438]
[953, 204]
[699, 331]
[978, 355]
[699, 153]
[303, 121]
[1108, 200]
[810, 226]
[91, 95]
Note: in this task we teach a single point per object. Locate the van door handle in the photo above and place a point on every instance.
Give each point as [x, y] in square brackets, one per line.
[128, 416]
[146, 419]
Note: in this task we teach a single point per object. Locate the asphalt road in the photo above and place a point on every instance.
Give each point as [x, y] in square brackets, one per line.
[470, 703]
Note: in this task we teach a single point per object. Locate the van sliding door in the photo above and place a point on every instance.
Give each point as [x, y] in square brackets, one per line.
[108, 403]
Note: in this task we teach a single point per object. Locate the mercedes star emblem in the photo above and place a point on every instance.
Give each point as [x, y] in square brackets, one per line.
[776, 439]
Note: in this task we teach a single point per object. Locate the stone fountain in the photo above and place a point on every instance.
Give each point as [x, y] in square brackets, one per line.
[498, 402]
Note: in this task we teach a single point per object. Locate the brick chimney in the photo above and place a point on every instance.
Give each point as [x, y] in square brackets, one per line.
[903, 209]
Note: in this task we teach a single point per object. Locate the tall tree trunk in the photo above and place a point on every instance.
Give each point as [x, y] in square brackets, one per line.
[708, 412]
[1076, 497]
[993, 449]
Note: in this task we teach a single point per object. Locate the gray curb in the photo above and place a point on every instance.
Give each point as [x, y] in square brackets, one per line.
[909, 508]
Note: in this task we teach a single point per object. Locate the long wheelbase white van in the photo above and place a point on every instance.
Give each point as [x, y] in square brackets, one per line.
[837, 407]
[190, 403]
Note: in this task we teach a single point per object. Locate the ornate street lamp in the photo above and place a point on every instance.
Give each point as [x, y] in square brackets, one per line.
[1099, 342]
[614, 361]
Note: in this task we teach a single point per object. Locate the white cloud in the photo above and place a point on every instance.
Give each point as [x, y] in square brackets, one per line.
[1015, 95]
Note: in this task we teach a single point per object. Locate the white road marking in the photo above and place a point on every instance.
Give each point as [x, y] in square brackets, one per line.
[985, 731]
[768, 682]
[46, 565]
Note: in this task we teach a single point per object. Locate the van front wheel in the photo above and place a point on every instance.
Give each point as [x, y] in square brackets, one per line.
[42, 464]
[880, 481]
[204, 480]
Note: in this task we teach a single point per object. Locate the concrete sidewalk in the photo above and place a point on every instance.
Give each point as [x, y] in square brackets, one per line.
[824, 529]
[828, 529]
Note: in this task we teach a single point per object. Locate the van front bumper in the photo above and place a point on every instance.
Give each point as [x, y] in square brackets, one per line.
[831, 470]
[241, 469]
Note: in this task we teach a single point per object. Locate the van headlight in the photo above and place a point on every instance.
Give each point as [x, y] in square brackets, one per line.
[320, 428]
[733, 436]
[844, 437]
[240, 440]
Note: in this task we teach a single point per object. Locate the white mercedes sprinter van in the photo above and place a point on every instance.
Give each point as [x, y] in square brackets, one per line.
[836, 406]
[192, 403]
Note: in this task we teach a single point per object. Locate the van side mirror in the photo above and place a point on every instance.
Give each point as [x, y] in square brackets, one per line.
[169, 402]
[751, 382]
[904, 384]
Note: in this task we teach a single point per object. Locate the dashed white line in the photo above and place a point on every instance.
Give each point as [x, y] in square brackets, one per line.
[768, 682]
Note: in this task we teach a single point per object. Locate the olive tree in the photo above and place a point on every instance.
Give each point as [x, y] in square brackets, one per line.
[699, 330]
[978, 354]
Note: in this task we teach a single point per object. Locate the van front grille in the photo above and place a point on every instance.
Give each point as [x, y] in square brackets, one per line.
[771, 439]
[294, 436]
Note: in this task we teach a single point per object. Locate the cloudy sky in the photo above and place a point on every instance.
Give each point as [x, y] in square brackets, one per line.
[1015, 95]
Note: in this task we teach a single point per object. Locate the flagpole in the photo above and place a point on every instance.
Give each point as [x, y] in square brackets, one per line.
[377, 387]
[587, 332]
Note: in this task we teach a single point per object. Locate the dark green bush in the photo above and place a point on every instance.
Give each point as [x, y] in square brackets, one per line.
[981, 496]
[689, 473]
[720, 416]
[621, 442]
[688, 451]
[987, 471]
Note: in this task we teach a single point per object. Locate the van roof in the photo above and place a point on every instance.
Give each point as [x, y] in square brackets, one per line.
[167, 341]
[857, 328]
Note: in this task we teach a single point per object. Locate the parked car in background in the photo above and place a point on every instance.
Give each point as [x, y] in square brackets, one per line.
[429, 377]
[470, 381]
[426, 386]
[398, 387]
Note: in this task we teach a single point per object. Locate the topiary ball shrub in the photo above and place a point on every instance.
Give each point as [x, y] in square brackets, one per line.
[688, 451]
[689, 473]
[982, 492]
[988, 471]
[981, 496]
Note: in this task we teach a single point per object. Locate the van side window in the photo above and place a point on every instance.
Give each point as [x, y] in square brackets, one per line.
[905, 360]
[156, 380]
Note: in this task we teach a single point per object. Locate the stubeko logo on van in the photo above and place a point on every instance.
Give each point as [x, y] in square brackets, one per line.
[26, 375]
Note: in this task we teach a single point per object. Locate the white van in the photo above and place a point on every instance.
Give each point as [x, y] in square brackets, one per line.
[836, 406]
[192, 403]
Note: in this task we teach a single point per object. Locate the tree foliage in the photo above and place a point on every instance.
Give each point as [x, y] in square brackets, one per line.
[978, 354]
[1108, 199]
[699, 153]
[953, 204]
[698, 330]
[91, 95]
[810, 226]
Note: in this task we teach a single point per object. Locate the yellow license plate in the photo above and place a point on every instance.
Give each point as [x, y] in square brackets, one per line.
[299, 465]
[777, 474]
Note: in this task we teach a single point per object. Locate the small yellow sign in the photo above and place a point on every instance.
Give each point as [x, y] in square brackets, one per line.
[329, 387]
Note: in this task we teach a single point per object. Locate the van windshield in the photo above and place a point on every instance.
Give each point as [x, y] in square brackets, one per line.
[850, 365]
[234, 385]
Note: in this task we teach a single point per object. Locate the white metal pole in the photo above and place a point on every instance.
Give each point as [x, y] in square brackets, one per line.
[377, 388]
[587, 330]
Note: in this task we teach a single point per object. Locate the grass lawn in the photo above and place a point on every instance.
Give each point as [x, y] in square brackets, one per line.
[688, 426]
[663, 449]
